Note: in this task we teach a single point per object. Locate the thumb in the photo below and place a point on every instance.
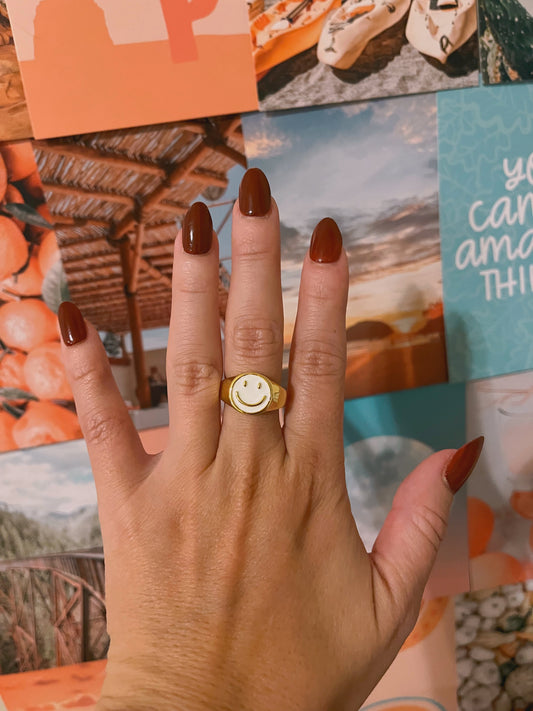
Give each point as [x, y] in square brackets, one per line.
[405, 549]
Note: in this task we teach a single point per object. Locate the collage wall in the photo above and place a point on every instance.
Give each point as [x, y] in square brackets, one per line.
[384, 115]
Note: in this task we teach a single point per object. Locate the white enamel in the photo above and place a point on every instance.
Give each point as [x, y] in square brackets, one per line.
[250, 393]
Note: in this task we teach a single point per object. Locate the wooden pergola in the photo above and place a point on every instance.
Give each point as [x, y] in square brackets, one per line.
[117, 199]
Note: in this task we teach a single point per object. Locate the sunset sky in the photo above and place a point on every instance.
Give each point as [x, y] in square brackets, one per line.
[373, 168]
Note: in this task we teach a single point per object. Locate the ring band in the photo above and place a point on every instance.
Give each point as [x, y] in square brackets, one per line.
[252, 393]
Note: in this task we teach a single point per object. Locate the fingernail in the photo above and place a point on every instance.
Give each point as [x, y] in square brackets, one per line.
[197, 229]
[71, 323]
[462, 464]
[254, 193]
[326, 242]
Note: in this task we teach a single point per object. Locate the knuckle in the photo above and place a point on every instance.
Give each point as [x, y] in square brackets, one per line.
[193, 377]
[89, 374]
[320, 359]
[431, 525]
[191, 280]
[103, 426]
[256, 338]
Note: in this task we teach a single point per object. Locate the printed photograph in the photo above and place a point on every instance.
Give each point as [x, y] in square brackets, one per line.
[500, 494]
[348, 163]
[14, 116]
[505, 40]
[36, 403]
[52, 600]
[76, 688]
[330, 51]
[85, 69]
[494, 652]
[117, 200]
[386, 437]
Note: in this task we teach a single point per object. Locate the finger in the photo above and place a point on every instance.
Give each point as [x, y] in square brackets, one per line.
[406, 547]
[315, 406]
[253, 340]
[194, 355]
[115, 450]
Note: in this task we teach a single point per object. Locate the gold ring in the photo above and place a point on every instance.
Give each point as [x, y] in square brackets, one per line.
[252, 393]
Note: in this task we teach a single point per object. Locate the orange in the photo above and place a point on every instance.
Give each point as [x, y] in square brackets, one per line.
[430, 614]
[531, 537]
[45, 373]
[13, 248]
[45, 423]
[48, 251]
[522, 503]
[7, 443]
[19, 160]
[27, 283]
[14, 195]
[3, 178]
[12, 371]
[27, 324]
[32, 186]
[492, 569]
[480, 525]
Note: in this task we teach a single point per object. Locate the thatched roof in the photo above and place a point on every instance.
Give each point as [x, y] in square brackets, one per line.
[134, 185]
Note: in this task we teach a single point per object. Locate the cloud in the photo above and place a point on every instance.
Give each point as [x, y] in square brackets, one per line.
[266, 142]
[56, 478]
[356, 108]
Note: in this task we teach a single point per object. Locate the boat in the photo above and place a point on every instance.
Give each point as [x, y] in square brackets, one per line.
[439, 27]
[348, 30]
[286, 29]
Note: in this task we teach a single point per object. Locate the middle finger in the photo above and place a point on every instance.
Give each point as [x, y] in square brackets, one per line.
[253, 340]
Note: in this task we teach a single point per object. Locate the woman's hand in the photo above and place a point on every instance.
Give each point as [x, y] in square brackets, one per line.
[235, 576]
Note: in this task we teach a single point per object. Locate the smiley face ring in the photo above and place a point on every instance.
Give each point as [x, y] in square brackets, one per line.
[252, 393]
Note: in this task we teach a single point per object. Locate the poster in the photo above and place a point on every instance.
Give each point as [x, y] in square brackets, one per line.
[348, 163]
[386, 437]
[85, 69]
[505, 40]
[326, 52]
[486, 218]
[14, 116]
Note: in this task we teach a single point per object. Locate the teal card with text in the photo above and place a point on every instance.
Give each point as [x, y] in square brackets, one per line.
[486, 221]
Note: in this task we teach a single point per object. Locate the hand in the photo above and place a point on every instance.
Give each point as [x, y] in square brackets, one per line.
[235, 576]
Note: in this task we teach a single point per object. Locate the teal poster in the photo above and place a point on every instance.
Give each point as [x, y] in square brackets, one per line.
[486, 221]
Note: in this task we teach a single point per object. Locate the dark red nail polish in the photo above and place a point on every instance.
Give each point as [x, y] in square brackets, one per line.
[462, 464]
[254, 194]
[71, 323]
[326, 242]
[197, 229]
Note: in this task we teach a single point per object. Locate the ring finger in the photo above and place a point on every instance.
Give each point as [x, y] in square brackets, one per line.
[254, 317]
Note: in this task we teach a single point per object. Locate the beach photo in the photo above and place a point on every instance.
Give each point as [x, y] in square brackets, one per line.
[348, 163]
[85, 68]
[330, 51]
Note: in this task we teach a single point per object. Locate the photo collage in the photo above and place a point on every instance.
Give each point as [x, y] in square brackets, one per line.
[382, 114]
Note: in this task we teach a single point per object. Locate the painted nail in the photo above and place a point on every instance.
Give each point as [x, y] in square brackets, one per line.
[462, 464]
[254, 193]
[326, 242]
[197, 229]
[71, 323]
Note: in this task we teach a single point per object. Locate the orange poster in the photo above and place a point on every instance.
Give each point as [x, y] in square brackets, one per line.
[92, 65]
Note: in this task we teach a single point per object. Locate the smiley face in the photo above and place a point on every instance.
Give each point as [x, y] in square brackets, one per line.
[250, 393]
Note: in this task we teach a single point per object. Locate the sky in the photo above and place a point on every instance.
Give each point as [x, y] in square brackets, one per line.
[373, 168]
[55, 478]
